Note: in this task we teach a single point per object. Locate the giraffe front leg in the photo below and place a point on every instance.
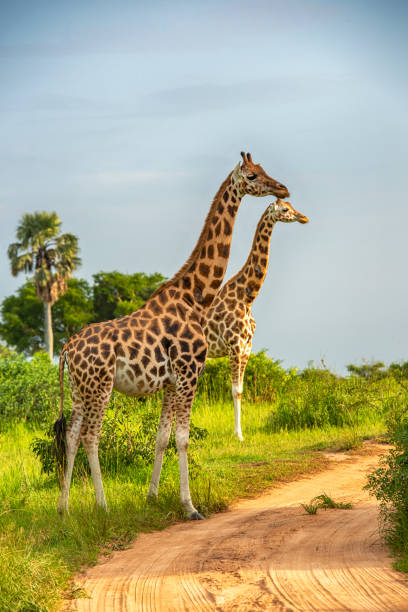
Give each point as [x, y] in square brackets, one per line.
[162, 439]
[236, 388]
[182, 440]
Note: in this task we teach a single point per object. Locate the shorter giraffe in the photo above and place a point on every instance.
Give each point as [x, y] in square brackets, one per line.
[229, 326]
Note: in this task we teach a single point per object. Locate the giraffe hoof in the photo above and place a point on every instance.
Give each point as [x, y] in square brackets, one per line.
[196, 516]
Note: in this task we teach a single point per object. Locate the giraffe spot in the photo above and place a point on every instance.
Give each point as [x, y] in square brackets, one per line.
[158, 354]
[264, 261]
[223, 250]
[155, 307]
[145, 361]
[210, 251]
[186, 333]
[220, 208]
[192, 267]
[170, 326]
[233, 199]
[204, 269]
[197, 344]
[203, 252]
[153, 371]
[172, 310]
[217, 229]
[87, 351]
[149, 339]
[136, 368]
[215, 284]
[88, 332]
[162, 370]
[81, 345]
[147, 351]
[93, 340]
[210, 234]
[225, 196]
[163, 298]
[184, 346]
[215, 219]
[119, 351]
[218, 272]
[126, 335]
[77, 358]
[186, 282]
[165, 342]
[180, 312]
[227, 228]
[207, 301]
[232, 210]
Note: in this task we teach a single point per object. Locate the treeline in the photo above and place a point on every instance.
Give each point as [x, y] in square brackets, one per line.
[110, 295]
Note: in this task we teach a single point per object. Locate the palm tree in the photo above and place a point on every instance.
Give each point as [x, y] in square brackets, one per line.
[50, 255]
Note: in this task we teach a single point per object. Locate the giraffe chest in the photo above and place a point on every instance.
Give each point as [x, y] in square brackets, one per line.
[224, 332]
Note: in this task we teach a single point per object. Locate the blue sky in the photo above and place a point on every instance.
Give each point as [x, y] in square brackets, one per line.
[125, 118]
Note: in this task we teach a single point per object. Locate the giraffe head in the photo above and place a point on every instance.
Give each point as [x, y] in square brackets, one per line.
[252, 179]
[284, 211]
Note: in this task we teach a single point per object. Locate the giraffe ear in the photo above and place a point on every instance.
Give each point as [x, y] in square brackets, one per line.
[235, 172]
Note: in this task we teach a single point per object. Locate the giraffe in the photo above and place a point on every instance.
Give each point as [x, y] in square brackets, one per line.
[229, 325]
[160, 346]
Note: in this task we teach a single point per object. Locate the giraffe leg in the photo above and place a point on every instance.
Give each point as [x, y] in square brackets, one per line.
[162, 439]
[236, 388]
[90, 440]
[72, 443]
[182, 439]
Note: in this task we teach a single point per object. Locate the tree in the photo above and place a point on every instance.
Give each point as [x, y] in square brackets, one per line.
[116, 294]
[51, 257]
[22, 325]
[369, 371]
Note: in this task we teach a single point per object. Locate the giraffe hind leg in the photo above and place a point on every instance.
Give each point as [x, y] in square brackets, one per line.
[72, 443]
[90, 439]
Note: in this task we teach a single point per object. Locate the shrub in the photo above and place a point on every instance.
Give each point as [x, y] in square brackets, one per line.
[264, 378]
[127, 437]
[389, 484]
[29, 390]
[318, 398]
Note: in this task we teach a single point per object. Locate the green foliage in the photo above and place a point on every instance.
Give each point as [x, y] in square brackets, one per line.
[127, 437]
[116, 294]
[389, 483]
[324, 501]
[369, 371]
[264, 377]
[29, 390]
[318, 398]
[112, 295]
[22, 314]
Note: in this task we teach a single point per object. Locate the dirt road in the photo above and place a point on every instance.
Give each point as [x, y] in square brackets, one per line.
[265, 554]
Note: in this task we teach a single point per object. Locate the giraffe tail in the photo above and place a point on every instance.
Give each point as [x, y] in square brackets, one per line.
[60, 425]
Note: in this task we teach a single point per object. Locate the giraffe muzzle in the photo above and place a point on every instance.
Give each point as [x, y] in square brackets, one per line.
[301, 218]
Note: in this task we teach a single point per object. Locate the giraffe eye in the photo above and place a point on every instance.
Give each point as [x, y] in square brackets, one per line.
[251, 177]
[285, 210]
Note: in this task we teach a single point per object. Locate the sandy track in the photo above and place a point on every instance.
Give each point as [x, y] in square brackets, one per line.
[265, 554]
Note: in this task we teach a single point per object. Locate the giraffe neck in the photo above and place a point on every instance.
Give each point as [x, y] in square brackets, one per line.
[201, 276]
[252, 274]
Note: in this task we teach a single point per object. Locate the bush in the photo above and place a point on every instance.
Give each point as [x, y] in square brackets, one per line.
[318, 398]
[264, 378]
[29, 390]
[389, 484]
[127, 437]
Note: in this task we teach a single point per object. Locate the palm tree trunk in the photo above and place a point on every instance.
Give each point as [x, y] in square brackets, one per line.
[48, 335]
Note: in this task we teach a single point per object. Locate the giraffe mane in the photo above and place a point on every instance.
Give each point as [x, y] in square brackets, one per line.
[201, 240]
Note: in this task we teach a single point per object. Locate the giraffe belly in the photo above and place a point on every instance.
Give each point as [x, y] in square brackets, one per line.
[143, 383]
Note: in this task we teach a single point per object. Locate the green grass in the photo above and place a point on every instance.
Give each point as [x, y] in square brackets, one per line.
[324, 501]
[39, 552]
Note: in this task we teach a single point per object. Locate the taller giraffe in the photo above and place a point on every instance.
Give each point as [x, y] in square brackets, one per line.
[229, 326]
[160, 346]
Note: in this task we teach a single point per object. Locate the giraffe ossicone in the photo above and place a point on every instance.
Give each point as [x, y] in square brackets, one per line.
[160, 346]
[229, 325]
